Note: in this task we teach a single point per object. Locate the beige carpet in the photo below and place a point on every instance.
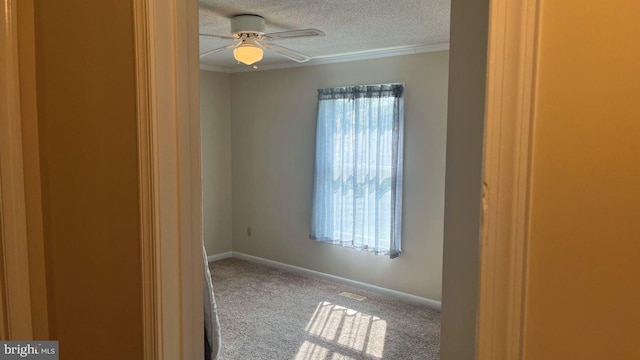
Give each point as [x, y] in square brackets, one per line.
[267, 313]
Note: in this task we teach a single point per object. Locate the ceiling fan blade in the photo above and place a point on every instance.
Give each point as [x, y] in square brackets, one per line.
[294, 34]
[219, 36]
[207, 53]
[288, 53]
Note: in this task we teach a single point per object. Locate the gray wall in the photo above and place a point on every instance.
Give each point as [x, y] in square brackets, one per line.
[215, 114]
[465, 134]
[273, 118]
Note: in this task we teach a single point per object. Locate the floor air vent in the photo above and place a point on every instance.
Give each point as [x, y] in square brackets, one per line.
[353, 296]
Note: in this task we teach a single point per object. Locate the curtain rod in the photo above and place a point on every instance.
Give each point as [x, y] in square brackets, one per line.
[390, 83]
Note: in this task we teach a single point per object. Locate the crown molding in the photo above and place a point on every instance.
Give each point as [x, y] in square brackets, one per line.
[330, 59]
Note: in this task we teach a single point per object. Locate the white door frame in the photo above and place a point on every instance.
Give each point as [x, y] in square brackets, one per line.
[169, 171]
[169, 168]
[167, 70]
[15, 297]
[512, 55]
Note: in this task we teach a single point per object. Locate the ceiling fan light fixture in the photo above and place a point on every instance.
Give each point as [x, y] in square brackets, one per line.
[250, 40]
[248, 54]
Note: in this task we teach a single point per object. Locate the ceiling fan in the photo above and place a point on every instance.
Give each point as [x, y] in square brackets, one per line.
[250, 41]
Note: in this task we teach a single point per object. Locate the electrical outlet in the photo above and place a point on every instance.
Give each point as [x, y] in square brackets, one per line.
[248, 231]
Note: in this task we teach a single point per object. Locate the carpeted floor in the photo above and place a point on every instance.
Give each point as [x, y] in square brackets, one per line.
[267, 313]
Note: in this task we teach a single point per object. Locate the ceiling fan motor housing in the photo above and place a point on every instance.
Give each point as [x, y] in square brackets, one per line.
[247, 24]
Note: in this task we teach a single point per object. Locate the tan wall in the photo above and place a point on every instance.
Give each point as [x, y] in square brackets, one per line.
[583, 290]
[87, 128]
[273, 123]
[215, 115]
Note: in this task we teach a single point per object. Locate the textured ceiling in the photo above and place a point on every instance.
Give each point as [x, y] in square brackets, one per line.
[350, 26]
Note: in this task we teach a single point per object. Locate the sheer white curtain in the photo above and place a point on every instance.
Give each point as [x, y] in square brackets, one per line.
[357, 192]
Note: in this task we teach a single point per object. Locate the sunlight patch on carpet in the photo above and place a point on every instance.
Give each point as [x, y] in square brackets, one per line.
[311, 351]
[354, 332]
[353, 296]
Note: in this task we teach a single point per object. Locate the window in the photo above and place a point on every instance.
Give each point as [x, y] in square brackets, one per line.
[357, 190]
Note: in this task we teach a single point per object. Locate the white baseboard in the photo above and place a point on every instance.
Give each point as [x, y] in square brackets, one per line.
[216, 257]
[397, 294]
